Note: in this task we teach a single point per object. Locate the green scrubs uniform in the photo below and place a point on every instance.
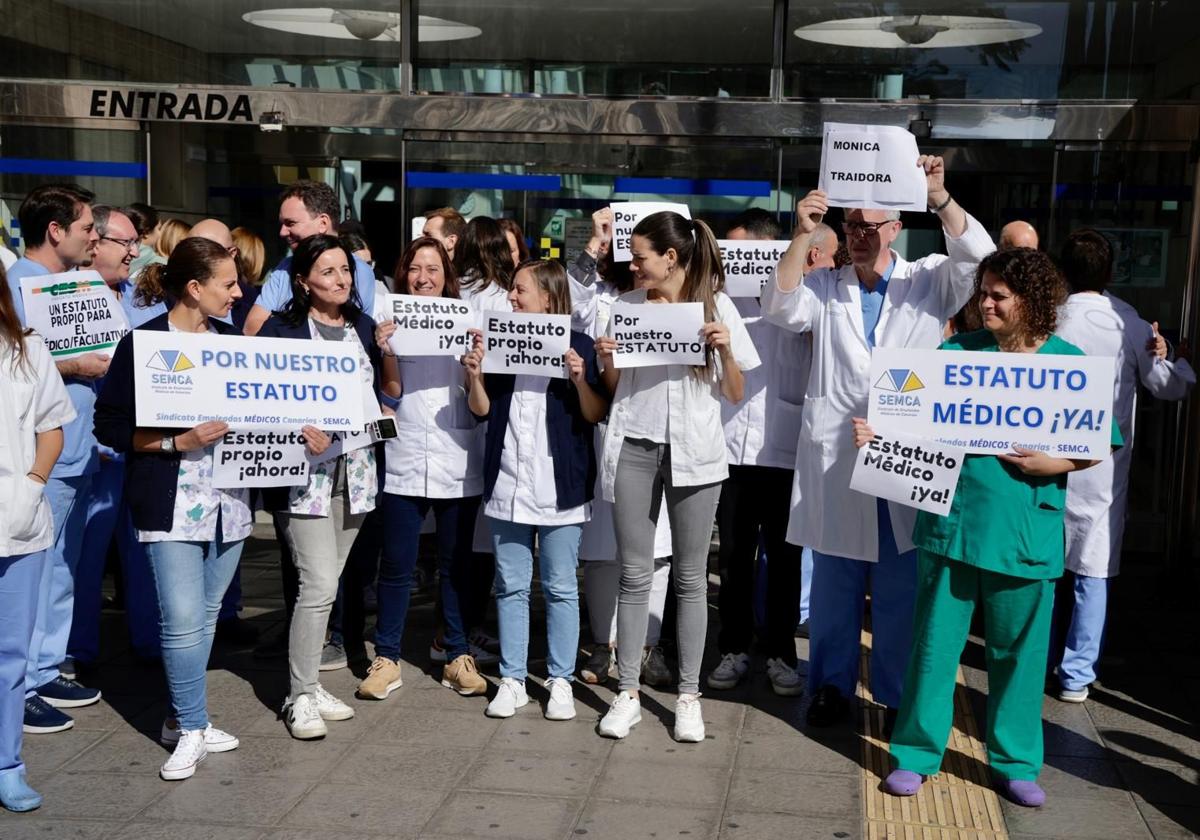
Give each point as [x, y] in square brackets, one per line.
[1000, 547]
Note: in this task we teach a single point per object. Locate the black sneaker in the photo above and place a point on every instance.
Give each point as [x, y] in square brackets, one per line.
[828, 707]
[41, 718]
[62, 693]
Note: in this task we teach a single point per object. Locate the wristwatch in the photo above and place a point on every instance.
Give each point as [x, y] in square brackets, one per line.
[167, 444]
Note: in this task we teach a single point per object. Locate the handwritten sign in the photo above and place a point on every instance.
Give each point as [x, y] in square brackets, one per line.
[748, 264]
[260, 458]
[872, 167]
[650, 334]
[627, 214]
[183, 379]
[522, 342]
[911, 470]
[991, 402]
[429, 326]
[75, 312]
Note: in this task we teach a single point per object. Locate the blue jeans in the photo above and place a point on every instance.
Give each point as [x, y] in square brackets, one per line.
[558, 555]
[1085, 633]
[191, 578]
[19, 577]
[68, 497]
[839, 588]
[455, 529]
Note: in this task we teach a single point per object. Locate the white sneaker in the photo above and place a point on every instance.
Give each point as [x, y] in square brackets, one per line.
[624, 714]
[1073, 695]
[689, 724]
[729, 672]
[303, 720]
[785, 680]
[509, 697]
[215, 740]
[331, 708]
[562, 699]
[189, 752]
[654, 667]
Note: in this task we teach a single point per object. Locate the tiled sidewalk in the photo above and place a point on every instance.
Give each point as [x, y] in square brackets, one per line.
[427, 763]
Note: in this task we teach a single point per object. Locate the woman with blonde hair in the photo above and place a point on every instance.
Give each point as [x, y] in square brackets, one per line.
[251, 254]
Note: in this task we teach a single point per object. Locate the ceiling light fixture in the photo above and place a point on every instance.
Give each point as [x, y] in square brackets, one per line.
[357, 24]
[917, 31]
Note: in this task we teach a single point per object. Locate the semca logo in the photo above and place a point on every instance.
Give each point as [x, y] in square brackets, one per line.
[170, 361]
[899, 381]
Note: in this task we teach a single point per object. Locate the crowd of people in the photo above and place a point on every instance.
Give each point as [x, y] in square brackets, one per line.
[625, 470]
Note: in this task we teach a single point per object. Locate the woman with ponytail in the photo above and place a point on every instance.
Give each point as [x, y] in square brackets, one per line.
[664, 454]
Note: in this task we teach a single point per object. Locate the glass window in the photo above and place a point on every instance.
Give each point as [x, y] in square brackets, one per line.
[618, 48]
[994, 49]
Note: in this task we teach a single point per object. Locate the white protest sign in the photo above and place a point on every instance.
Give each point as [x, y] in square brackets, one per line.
[341, 443]
[74, 312]
[650, 334]
[260, 458]
[627, 214]
[991, 402]
[576, 234]
[429, 326]
[911, 470]
[183, 379]
[748, 263]
[872, 167]
[523, 342]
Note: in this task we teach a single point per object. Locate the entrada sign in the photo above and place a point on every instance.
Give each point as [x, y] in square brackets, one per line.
[165, 105]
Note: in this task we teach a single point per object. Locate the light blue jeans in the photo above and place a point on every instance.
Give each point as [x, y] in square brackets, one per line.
[19, 577]
[68, 498]
[1085, 634]
[558, 556]
[191, 579]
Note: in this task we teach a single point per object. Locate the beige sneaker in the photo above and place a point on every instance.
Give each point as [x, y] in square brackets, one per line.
[462, 676]
[383, 677]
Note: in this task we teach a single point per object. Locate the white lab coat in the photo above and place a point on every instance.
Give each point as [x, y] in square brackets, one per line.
[1104, 325]
[33, 399]
[827, 515]
[763, 428]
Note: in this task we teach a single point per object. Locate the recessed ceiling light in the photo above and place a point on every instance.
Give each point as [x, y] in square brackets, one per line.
[917, 31]
[357, 24]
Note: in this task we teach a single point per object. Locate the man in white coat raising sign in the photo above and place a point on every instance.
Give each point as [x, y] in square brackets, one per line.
[879, 300]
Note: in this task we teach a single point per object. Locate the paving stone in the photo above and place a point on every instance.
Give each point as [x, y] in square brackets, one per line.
[577, 737]
[605, 820]
[83, 796]
[507, 815]
[675, 782]
[111, 713]
[1171, 822]
[397, 809]
[1152, 745]
[419, 765]
[175, 830]
[214, 797]
[778, 791]
[741, 825]
[800, 754]
[43, 754]
[1094, 819]
[1081, 778]
[1162, 783]
[653, 741]
[1072, 743]
[122, 752]
[540, 773]
[436, 726]
[35, 827]
[280, 757]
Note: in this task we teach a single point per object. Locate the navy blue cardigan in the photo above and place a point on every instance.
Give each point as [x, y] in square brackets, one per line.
[569, 434]
[151, 478]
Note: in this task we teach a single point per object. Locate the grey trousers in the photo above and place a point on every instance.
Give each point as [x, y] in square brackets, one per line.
[319, 545]
[643, 482]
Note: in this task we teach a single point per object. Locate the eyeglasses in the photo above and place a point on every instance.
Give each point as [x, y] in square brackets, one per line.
[862, 229]
[127, 244]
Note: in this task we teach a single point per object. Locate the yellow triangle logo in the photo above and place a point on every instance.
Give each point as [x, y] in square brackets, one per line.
[912, 383]
[183, 363]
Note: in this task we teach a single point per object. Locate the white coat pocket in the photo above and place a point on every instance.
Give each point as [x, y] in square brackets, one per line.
[30, 512]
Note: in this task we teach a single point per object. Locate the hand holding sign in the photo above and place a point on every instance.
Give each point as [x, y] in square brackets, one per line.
[871, 167]
[527, 343]
[748, 264]
[649, 334]
[201, 436]
[429, 326]
[76, 313]
[910, 470]
[811, 210]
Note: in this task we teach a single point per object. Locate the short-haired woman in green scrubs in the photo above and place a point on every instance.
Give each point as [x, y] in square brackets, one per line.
[999, 548]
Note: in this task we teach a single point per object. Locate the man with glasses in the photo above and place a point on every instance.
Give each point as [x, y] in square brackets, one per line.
[879, 300]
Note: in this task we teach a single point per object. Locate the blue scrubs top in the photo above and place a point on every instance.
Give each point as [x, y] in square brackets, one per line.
[872, 303]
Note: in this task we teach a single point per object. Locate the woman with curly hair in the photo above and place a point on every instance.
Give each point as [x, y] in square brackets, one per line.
[999, 548]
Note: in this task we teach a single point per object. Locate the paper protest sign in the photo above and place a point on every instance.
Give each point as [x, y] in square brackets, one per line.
[260, 458]
[523, 342]
[650, 334]
[74, 312]
[991, 402]
[911, 470]
[429, 326]
[748, 264]
[872, 167]
[341, 443]
[576, 233]
[627, 214]
[183, 379]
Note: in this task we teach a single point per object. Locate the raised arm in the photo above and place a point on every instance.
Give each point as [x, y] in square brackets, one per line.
[786, 301]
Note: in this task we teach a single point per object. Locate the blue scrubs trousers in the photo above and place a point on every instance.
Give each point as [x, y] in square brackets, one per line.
[20, 577]
[1085, 633]
[103, 507]
[839, 587]
[68, 497]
